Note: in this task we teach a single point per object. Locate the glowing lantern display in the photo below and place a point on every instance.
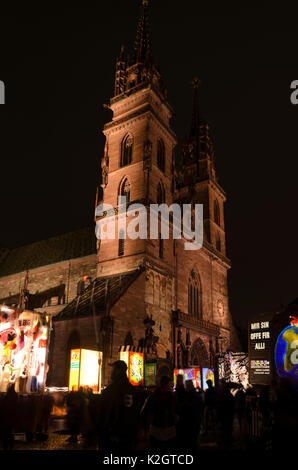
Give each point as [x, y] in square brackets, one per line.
[193, 374]
[23, 350]
[207, 374]
[135, 366]
[85, 369]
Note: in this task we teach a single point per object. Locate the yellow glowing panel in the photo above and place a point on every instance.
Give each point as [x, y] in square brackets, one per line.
[74, 369]
[124, 357]
[90, 370]
[136, 368]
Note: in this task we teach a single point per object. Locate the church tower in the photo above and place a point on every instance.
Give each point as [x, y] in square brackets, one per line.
[196, 178]
[138, 164]
[185, 293]
[202, 288]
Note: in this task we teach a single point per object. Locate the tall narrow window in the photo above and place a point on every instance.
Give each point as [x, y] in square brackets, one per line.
[124, 190]
[218, 243]
[160, 246]
[121, 243]
[194, 295]
[160, 194]
[126, 150]
[161, 155]
[216, 212]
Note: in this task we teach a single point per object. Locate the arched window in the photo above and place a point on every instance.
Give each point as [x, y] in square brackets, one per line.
[216, 212]
[126, 150]
[160, 194]
[161, 155]
[194, 295]
[160, 246]
[124, 189]
[218, 243]
[199, 355]
[121, 243]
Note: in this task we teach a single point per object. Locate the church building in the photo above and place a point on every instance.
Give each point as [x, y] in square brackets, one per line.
[142, 294]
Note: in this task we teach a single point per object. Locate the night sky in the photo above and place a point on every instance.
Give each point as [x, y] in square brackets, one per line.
[58, 68]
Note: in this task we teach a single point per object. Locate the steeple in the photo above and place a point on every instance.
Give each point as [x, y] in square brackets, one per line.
[197, 162]
[138, 70]
[192, 147]
[195, 122]
[142, 48]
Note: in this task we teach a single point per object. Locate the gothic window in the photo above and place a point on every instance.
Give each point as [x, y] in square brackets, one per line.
[207, 234]
[161, 155]
[124, 189]
[126, 150]
[160, 246]
[199, 354]
[121, 243]
[194, 295]
[218, 243]
[216, 212]
[160, 194]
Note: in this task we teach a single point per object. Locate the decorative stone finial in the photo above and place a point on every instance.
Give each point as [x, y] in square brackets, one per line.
[196, 82]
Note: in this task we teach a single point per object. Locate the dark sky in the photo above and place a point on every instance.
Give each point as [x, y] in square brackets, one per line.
[58, 68]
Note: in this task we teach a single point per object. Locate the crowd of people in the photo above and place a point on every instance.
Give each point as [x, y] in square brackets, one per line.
[127, 418]
[27, 414]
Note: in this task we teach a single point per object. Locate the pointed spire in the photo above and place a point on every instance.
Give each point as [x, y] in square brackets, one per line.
[195, 122]
[142, 47]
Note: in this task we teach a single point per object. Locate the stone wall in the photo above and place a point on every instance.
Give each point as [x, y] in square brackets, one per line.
[68, 273]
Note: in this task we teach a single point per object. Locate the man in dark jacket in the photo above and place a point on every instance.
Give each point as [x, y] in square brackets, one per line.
[118, 420]
[210, 407]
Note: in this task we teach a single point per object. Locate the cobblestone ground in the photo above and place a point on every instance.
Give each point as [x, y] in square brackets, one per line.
[55, 442]
[58, 441]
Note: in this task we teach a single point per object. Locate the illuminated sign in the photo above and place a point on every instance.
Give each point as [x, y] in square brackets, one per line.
[193, 374]
[85, 369]
[233, 367]
[150, 374]
[23, 351]
[74, 375]
[207, 374]
[90, 369]
[135, 366]
[260, 352]
[286, 352]
[5, 326]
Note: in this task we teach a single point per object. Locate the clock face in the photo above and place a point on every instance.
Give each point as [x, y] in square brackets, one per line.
[220, 307]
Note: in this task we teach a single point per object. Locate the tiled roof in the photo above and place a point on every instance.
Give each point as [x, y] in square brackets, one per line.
[70, 245]
[103, 291]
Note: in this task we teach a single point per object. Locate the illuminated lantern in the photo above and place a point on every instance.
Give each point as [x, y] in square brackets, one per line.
[208, 374]
[286, 352]
[193, 374]
[135, 366]
[85, 369]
